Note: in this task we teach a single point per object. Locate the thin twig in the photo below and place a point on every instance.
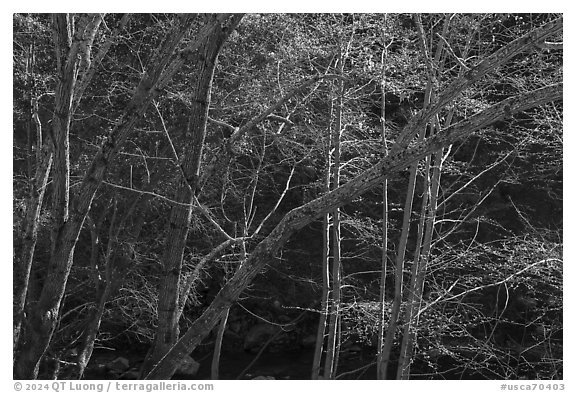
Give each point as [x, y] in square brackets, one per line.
[510, 277]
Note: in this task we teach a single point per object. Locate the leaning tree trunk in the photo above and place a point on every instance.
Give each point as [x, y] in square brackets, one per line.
[167, 332]
[299, 217]
[43, 316]
[24, 253]
[114, 261]
[69, 46]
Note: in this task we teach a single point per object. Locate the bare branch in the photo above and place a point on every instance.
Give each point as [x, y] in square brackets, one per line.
[223, 124]
[458, 59]
[280, 118]
[464, 293]
[266, 250]
[495, 60]
[549, 45]
[206, 213]
[257, 119]
[286, 188]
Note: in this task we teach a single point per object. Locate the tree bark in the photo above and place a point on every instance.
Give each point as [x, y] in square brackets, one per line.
[324, 307]
[56, 156]
[44, 315]
[399, 271]
[303, 215]
[23, 265]
[72, 52]
[324, 302]
[333, 343]
[168, 332]
[90, 66]
[38, 178]
[419, 272]
[384, 264]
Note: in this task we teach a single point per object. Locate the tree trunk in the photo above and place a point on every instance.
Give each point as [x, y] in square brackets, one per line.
[168, 332]
[325, 296]
[104, 289]
[72, 53]
[399, 272]
[38, 179]
[333, 342]
[215, 366]
[43, 317]
[23, 265]
[324, 306]
[67, 66]
[299, 217]
[380, 371]
[419, 273]
[428, 210]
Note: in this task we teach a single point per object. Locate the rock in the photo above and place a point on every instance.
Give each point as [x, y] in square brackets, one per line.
[188, 367]
[118, 365]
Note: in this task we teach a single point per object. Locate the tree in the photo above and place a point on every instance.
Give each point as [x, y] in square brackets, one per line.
[305, 214]
[220, 179]
[44, 315]
[169, 301]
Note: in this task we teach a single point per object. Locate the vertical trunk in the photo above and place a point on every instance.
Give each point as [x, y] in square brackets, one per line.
[399, 270]
[380, 374]
[72, 54]
[316, 364]
[43, 317]
[105, 288]
[299, 217]
[409, 325]
[58, 155]
[30, 96]
[421, 254]
[415, 301]
[168, 331]
[333, 344]
[325, 296]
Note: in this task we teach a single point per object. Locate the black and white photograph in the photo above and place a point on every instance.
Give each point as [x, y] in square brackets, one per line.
[287, 196]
